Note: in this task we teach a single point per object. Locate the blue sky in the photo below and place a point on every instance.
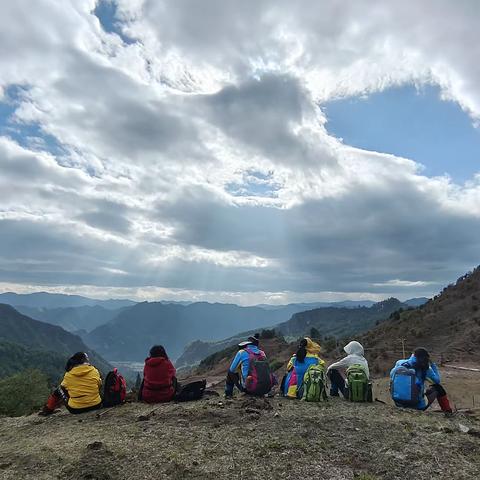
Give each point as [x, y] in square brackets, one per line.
[415, 124]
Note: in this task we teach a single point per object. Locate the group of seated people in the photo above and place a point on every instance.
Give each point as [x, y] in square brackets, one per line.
[81, 387]
[408, 376]
[249, 372]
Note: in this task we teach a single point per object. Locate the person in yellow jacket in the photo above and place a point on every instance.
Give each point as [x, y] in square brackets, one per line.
[307, 354]
[80, 387]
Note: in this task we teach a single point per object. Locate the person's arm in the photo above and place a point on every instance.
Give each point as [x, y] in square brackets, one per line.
[64, 383]
[236, 361]
[343, 363]
[290, 363]
[433, 374]
[171, 370]
[98, 378]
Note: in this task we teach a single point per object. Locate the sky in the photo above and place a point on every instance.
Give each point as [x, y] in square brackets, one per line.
[249, 152]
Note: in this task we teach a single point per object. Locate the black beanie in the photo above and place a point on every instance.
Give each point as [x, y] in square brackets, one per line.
[421, 353]
[254, 339]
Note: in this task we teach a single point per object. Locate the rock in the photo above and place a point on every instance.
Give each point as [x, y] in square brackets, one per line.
[95, 445]
[463, 428]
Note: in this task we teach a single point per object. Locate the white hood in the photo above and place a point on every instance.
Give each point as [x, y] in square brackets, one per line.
[353, 348]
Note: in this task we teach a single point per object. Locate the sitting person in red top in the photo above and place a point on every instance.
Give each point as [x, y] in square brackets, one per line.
[159, 382]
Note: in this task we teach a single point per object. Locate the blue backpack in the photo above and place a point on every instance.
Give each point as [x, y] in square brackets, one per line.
[403, 386]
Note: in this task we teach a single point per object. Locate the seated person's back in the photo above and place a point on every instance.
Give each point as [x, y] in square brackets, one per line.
[337, 370]
[306, 355]
[158, 377]
[82, 383]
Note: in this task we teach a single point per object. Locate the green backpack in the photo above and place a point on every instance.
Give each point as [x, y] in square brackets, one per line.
[359, 389]
[314, 384]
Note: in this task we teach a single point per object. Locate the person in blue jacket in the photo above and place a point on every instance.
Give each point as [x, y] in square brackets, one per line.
[239, 368]
[425, 372]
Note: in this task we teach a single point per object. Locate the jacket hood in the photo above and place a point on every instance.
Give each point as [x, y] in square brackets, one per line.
[312, 347]
[81, 370]
[153, 361]
[354, 348]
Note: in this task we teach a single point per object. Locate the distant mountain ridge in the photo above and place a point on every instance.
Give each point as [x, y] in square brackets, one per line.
[313, 305]
[73, 319]
[59, 300]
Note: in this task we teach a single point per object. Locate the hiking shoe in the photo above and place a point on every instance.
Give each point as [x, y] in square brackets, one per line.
[334, 394]
[228, 396]
[45, 412]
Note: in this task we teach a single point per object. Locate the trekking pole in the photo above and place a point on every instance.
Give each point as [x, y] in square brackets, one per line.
[403, 346]
[101, 414]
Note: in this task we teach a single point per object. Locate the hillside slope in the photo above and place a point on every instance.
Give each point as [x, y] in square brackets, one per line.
[339, 322]
[19, 329]
[448, 325]
[243, 438]
[15, 358]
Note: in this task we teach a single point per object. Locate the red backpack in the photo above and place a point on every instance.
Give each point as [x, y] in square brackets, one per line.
[259, 380]
[115, 389]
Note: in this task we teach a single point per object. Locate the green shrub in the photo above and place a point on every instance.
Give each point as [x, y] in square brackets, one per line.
[266, 334]
[23, 393]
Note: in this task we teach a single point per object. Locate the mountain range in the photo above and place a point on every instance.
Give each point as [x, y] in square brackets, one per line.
[59, 300]
[328, 321]
[133, 331]
[81, 319]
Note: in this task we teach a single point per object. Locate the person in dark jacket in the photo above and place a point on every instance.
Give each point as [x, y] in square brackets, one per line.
[159, 382]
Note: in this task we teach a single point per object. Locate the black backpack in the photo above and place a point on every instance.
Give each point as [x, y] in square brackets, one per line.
[191, 391]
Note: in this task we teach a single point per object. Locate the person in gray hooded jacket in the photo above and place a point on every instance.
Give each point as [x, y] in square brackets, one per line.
[336, 371]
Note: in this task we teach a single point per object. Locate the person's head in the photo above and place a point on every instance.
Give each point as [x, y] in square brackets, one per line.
[302, 350]
[254, 339]
[353, 348]
[423, 357]
[311, 346]
[158, 351]
[78, 358]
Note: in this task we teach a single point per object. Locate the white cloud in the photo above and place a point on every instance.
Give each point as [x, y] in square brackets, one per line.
[197, 159]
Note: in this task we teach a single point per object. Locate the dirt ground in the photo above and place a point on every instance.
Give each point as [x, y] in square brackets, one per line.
[243, 438]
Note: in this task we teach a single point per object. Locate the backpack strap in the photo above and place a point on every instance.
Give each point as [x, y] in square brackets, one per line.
[251, 353]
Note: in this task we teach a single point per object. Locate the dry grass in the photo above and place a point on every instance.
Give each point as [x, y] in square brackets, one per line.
[243, 438]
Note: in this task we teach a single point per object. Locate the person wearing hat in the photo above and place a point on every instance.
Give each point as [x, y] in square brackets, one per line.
[425, 371]
[239, 368]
